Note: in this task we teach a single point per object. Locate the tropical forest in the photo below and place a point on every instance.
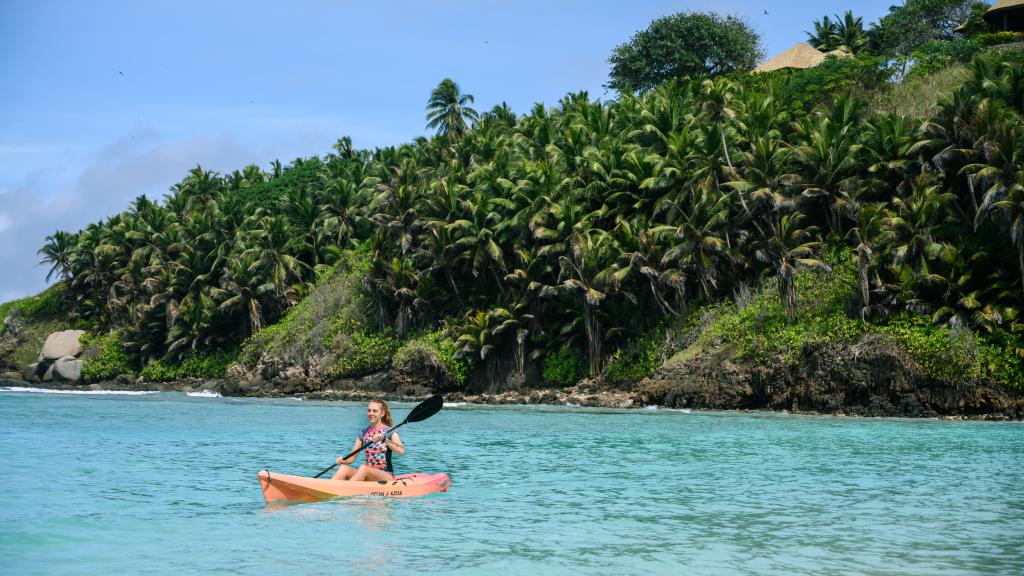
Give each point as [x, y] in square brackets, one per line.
[700, 226]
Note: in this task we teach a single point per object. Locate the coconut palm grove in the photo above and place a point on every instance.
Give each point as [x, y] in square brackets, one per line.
[873, 200]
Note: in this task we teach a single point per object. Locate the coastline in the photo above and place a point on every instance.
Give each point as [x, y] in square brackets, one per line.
[575, 397]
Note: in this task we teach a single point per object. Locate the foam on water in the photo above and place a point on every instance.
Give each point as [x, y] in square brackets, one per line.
[79, 392]
[205, 394]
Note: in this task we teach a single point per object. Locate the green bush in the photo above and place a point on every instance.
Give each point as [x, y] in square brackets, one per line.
[637, 360]
[359, 351]
[104, 357]
[764, 334]
[211, 364]
[46, 304]
[326, 321]
[954, 356]
[997, 38]
[933, 56]
[442, 348]
[563, 367]
[818, 85]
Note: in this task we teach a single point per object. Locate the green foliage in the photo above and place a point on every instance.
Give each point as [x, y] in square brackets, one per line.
[997, 38]
[104, 356]
[210, 364]
[42, 306]
[821, 84]
[954, 355]
[936, 55]
[564, 367]
[359, 351]
[684, 44]
[267, 195]
[910, 25]
[762, 332]
[330, 320]
[638, 360]
[918, 95]
[441, 348]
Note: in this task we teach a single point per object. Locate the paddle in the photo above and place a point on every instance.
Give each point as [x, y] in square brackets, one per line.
[421, 412]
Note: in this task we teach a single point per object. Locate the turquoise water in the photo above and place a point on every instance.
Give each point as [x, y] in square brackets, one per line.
[165, 484]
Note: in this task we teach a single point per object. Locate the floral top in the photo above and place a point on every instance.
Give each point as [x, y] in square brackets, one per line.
[377, 455]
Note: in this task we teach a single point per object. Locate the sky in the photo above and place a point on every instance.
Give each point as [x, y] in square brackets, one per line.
[103, 101]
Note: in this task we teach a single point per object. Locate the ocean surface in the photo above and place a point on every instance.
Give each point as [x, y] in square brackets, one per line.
[166, 484]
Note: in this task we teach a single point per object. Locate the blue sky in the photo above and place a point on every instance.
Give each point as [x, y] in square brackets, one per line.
[107, 100]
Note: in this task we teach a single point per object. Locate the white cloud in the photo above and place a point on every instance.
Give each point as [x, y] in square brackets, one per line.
[140, 163]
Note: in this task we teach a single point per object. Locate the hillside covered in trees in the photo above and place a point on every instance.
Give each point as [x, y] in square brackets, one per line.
[595, 239]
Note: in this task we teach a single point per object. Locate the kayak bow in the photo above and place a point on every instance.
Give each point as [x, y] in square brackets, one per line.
[278, 487]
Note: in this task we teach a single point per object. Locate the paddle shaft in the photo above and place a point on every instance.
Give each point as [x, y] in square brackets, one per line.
[358, 450]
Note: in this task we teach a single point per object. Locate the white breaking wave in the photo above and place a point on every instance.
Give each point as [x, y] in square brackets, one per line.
[88, 392]
[453, 404]
[205, 394]
[651, 407]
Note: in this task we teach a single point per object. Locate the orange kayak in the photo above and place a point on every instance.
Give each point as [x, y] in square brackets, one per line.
[278, 487]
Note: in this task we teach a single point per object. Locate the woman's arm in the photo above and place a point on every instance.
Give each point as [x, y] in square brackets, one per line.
[395, 443]
[355, 446]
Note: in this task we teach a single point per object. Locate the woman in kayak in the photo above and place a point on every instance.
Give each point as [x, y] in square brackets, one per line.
[380, 445]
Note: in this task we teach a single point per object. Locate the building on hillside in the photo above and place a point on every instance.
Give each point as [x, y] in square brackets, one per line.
[1006, 15]
[801, 56]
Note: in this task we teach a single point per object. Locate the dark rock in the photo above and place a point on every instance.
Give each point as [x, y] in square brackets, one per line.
[872, 377]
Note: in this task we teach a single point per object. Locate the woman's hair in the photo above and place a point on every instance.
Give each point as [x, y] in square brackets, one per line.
[386, 417]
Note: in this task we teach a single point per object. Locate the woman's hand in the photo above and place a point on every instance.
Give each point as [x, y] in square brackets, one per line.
[342, 460]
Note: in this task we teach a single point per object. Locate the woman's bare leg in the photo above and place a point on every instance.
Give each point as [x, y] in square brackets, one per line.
[343, 473]
[369, 473]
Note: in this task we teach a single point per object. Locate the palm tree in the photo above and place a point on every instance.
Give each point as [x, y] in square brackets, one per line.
[586, 269]
[57, 252]
[791, 248]
[848, 33]
[448, 111]
[823, 37]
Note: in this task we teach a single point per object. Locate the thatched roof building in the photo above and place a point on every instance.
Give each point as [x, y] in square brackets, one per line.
[1006, 15]
[801, 56]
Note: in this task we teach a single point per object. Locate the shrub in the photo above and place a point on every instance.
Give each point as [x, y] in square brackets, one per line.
[997, 38]
[442, 348]
[764, 335]
[211, 364]
[46, 304]
[954, 355]
[637, 360]
[933, 56]
[104, 357]
[328, 320]
[358, 351]
[563, 367]
[818, 85]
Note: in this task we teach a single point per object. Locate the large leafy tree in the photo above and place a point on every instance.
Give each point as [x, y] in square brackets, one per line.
[684, 44]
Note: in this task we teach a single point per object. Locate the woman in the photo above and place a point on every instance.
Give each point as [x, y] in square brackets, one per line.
[379, 449]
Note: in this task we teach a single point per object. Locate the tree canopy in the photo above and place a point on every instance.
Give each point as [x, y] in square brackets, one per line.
[908, 26]
[684, 44]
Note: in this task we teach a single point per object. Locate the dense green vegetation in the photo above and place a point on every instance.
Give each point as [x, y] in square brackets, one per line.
[580, 234]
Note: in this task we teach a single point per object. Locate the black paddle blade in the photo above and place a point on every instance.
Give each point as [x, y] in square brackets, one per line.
[426, 409]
